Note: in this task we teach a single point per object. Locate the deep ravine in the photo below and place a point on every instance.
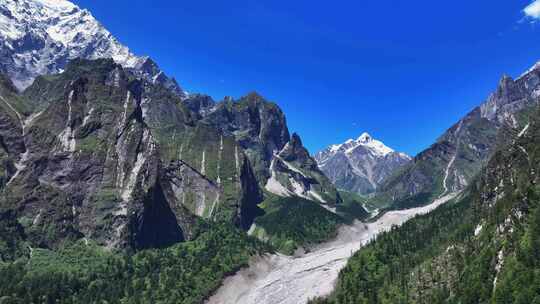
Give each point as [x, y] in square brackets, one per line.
[280, 279]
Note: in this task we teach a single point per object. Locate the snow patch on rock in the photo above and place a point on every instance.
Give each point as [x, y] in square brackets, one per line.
[477, 230]
[273, 185]
[203, 163]
[452, 160]
[498, 266]
[523, 131]
[20, 166]
[67, 139]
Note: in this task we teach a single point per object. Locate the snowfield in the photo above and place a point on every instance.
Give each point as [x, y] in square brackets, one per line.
[280, 279]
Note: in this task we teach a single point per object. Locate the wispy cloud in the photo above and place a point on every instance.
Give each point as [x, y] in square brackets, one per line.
[532, 11]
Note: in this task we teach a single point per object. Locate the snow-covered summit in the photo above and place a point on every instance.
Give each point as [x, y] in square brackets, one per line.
[365, 140]
[361, 164]
[39, 37]
[377, 146]
[536, 66]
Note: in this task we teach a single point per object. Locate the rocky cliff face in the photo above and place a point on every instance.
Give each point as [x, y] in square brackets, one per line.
[113, 150]
[452, 162]
[281, 163]
[101, 153]
[40, 37]
[257, 125]
[360, 165]
[117, 159]
[200, 104]
[293, 172]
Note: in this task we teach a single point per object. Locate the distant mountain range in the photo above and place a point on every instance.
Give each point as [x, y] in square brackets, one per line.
[360, 165]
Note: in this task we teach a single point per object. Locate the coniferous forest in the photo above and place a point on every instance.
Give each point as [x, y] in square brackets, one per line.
[478, 248]
[85, 273]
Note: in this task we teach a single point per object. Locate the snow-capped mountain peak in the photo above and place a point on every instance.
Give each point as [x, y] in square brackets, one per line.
[361, 164]
[365, 137]
[375, 145]
[365, 140]
[39, 37]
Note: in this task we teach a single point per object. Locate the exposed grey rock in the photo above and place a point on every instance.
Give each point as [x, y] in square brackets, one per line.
[458, 155]
[100, 160]
[200, 104]
[280, 162]
[360, 165]
[257, 125]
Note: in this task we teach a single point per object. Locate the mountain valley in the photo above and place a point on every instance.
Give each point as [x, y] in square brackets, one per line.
[119, 186]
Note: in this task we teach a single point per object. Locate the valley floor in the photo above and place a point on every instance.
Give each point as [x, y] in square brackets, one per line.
[280, 279]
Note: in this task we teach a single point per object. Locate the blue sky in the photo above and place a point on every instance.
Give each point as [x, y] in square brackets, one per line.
[404, 71]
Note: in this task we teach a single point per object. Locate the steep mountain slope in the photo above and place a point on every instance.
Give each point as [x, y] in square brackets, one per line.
[281, 163]
[114, 151]
[116, 159]
[97, 158]
[483, 248]
[360, 165]
[97, 152]
[39, 37]
[451, 163]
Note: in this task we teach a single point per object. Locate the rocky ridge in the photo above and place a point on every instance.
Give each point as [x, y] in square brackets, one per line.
[280, 161]
[455, 159]
[97, 152]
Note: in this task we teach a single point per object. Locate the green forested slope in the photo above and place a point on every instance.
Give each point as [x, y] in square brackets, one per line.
[86, 273]
[484, 247]
[293, 222]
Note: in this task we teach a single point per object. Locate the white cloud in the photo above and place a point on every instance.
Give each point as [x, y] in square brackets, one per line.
[533, 10]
